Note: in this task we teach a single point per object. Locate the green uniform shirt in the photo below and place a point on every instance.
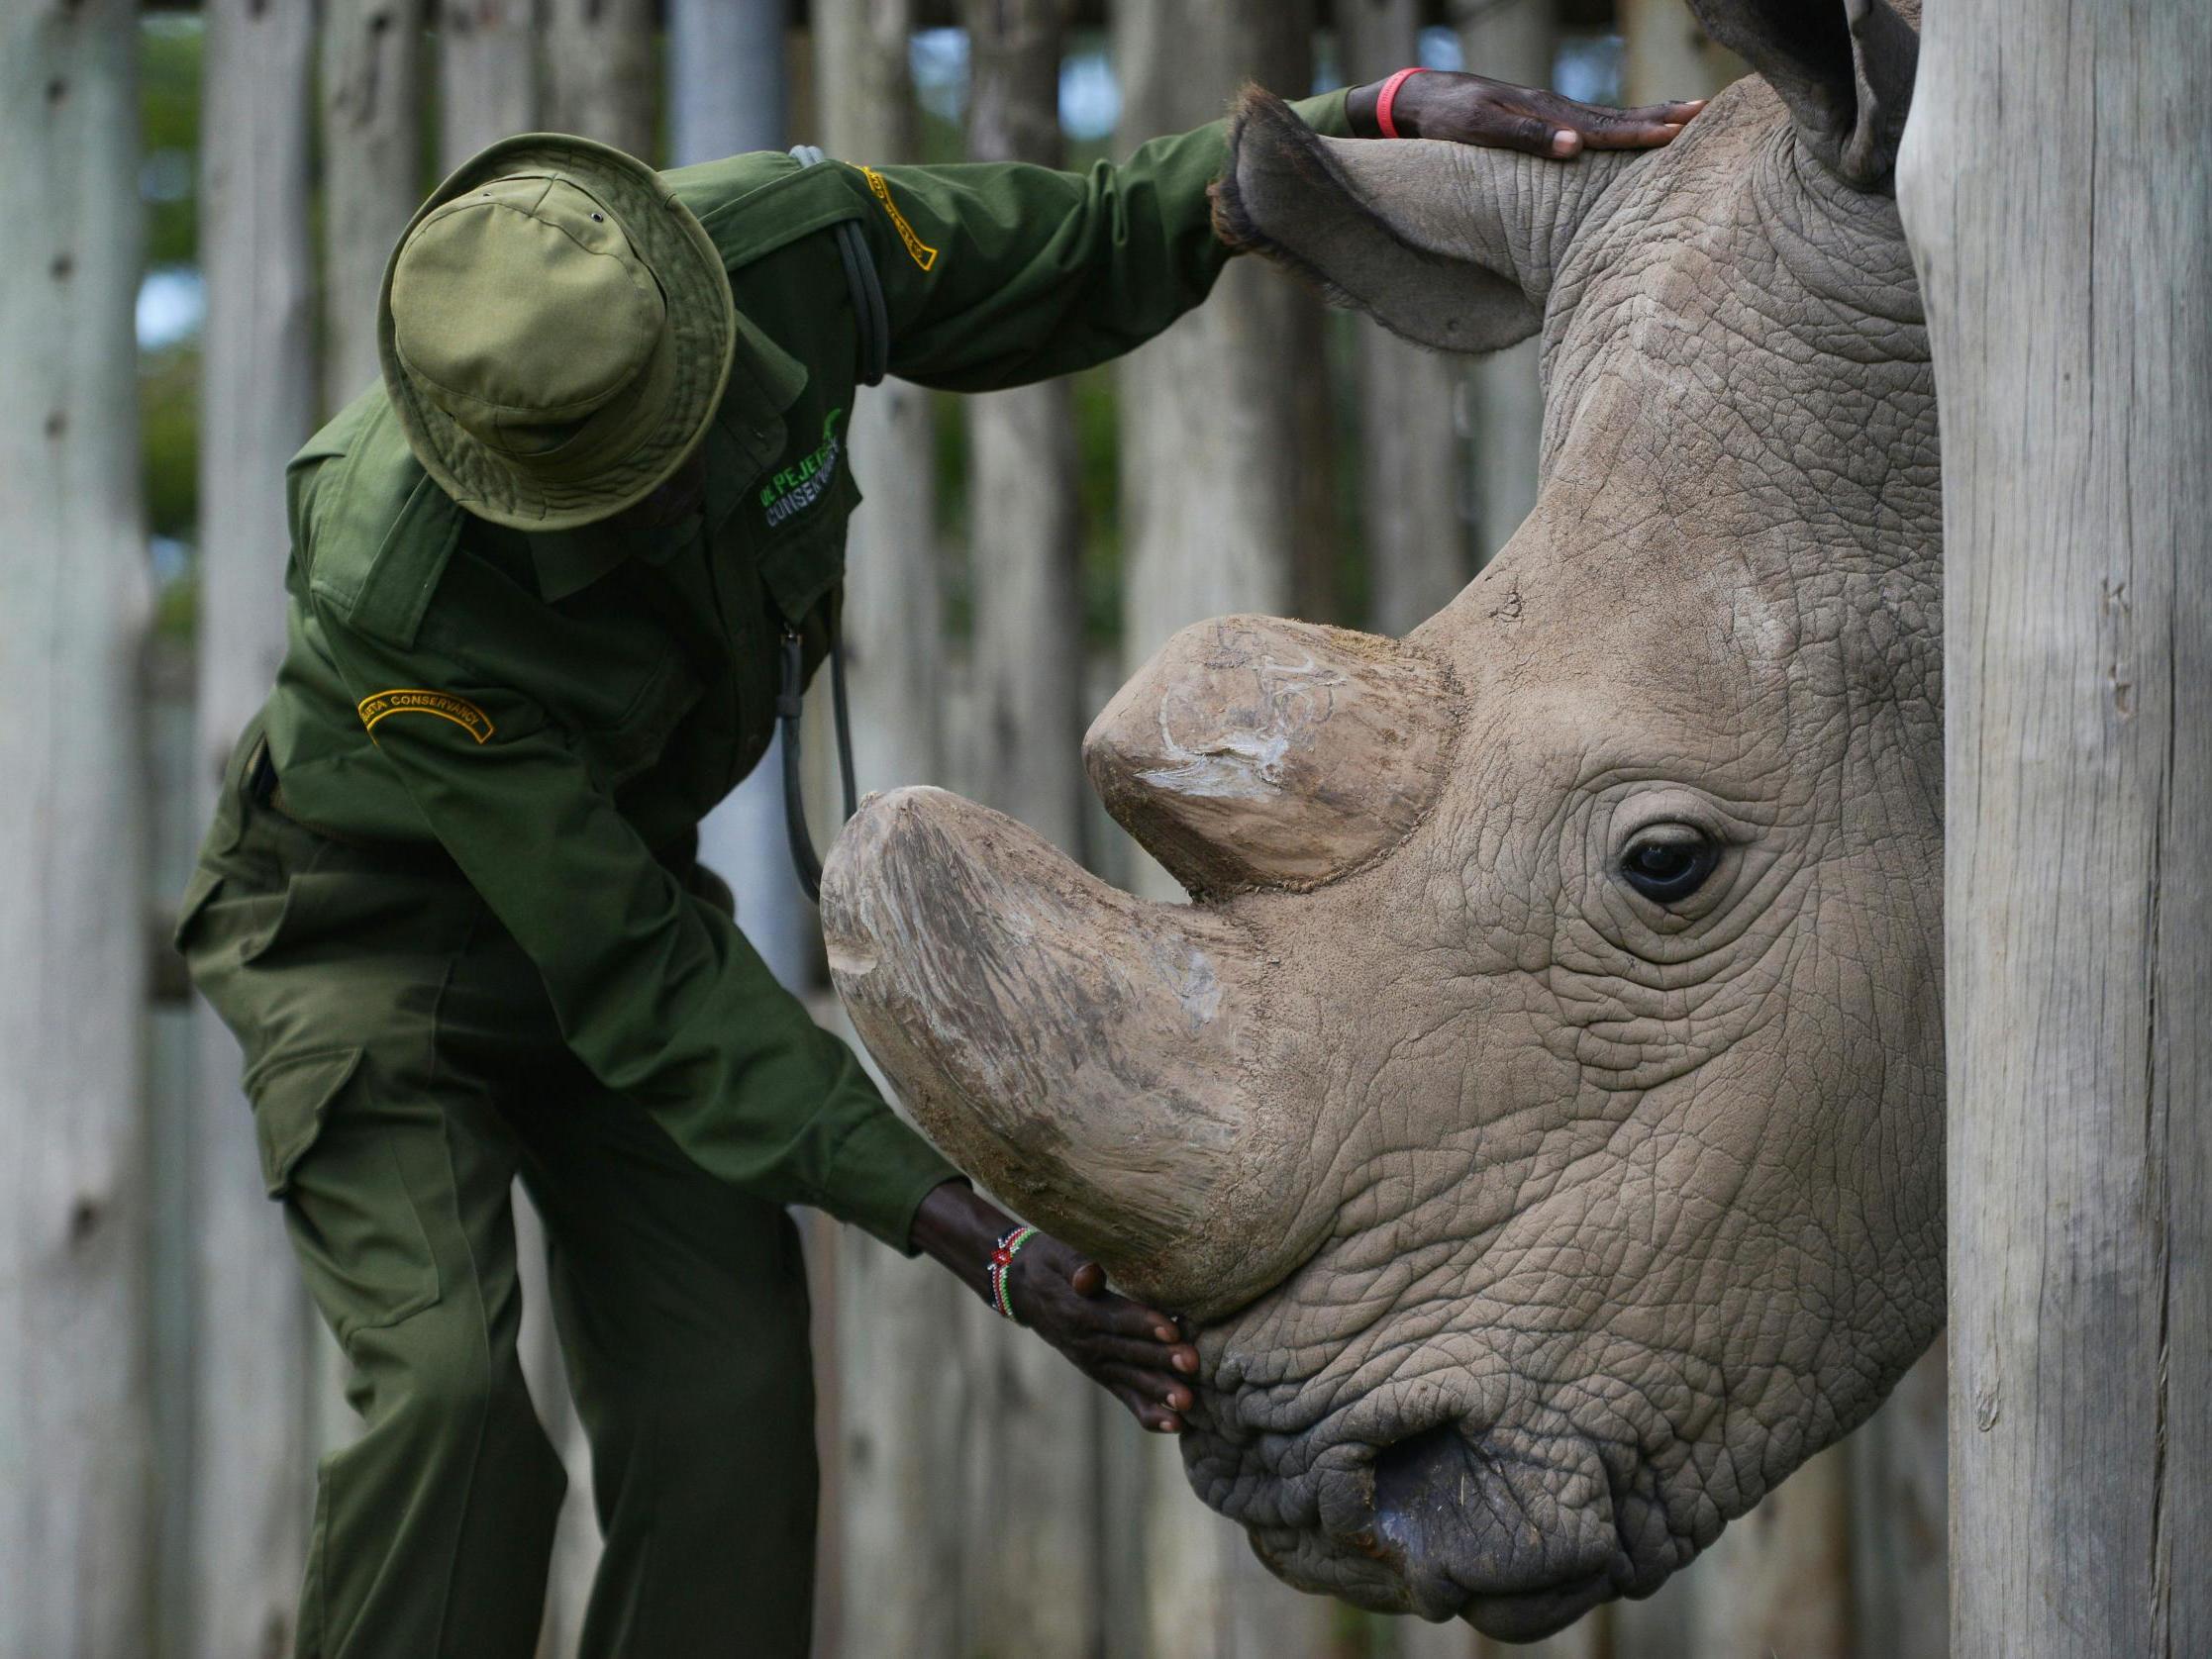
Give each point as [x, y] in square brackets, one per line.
[554, 709]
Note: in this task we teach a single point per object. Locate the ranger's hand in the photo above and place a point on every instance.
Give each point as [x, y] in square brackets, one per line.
[1474, 109]
[1137, 1355]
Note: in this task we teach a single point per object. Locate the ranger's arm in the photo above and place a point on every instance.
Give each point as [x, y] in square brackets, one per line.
[656, 991]
[999, 273]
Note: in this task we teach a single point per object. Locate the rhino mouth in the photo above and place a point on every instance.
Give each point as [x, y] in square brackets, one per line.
[1518, 1535]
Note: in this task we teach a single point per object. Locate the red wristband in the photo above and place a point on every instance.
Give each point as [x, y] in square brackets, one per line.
[1388, 96]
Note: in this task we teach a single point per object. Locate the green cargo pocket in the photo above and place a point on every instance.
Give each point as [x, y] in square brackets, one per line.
[332, 1159]
[198, 892]
[292, 1099]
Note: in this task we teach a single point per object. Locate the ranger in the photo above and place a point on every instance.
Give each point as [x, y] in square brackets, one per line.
[542, 579]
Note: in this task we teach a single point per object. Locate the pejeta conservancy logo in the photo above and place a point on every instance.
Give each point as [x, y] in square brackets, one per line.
[793, 488]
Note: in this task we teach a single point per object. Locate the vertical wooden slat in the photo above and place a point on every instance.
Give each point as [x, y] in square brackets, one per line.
[1411, 457]
[899, 1448]
[1035, 1424]
[372, 172]
[488, 74]
[255, 1348]
[1214, 456]
[1664, 53]
[2056, 188]
[729, 92]
[1901, 1591]
[74, 1416]
[601, 71]
[1514, 40]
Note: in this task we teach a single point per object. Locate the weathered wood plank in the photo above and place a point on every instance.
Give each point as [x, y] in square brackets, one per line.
[372, 172]
[74, 1413]
[488, 74]
[601, 71]
[2057, 187]
[1035, 1422]
[1412, 455]
[1214, 453]
[253, 1346]
[899, 1445]
[1515, 41]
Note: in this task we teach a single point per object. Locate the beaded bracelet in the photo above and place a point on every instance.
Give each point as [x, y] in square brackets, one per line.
[1002, 1259]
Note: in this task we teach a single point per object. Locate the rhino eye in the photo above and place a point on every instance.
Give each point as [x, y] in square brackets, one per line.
[1668, 865]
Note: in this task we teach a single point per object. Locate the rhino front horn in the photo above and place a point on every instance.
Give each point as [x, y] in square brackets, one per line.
[1253, 752]
[1098, 1062]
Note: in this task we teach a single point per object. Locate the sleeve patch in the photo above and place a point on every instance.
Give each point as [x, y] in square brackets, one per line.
[920, 251]
[445, 705]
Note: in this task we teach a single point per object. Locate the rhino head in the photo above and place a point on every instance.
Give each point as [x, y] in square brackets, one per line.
[1538, 1106]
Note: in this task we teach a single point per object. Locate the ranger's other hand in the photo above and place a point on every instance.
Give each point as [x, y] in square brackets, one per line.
[1474, 109]
[1135, 1354]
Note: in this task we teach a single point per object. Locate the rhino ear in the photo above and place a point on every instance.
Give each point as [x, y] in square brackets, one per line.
[1845, 69]
[1426, 238]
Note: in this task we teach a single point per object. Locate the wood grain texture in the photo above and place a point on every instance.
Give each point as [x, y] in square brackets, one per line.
[2057, 187]
[74, 1413]
[601, 58]
[1515, 41]
[253, 1453]
[488, 74]
[898, 1450]
[372, 55]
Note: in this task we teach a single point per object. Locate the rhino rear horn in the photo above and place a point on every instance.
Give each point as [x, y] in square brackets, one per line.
[1258, 753]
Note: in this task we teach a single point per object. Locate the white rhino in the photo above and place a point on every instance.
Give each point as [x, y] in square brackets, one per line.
[1538, 1108]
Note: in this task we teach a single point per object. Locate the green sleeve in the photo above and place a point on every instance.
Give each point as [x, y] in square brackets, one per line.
[657, 993]
[1000, 274]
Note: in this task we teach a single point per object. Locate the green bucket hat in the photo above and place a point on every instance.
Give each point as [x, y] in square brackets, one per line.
[556, 331]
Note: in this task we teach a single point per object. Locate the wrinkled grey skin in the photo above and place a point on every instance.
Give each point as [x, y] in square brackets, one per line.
[1632, 1208]
[1615, 1211]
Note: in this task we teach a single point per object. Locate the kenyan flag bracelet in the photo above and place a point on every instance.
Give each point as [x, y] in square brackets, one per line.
[1002, 1259]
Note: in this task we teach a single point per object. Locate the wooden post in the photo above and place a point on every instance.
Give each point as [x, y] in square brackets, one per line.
[75, 1517]
[1215, 453]
[372, 172]
[488, 74]
[601, 70]
[727, 93]
[2057, 187]
[1515, 41]
[253, 1344]
[1035, 1424]
[1412, 458]
[899, 1452]
[1665, 53]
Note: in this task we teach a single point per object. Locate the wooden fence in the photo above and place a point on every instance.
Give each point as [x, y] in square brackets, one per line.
[168, 1389]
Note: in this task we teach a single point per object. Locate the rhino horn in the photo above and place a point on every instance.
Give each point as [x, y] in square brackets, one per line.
[1258, 753]
[1097, 1060]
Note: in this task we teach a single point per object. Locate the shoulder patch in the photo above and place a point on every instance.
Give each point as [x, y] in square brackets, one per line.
[920, 251]
[416, 701]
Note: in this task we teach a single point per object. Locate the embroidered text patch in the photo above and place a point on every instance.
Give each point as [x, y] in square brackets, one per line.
[444, 704]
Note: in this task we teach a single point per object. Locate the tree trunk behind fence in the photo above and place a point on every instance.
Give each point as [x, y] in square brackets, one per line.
[372, 172]
[255, 1348]
[2056, 186]
[488, 74]
[898, 1446]
[1412, 456]
[76, 1501]
[1215, 452]
[1035, 1422]
[1515, 41]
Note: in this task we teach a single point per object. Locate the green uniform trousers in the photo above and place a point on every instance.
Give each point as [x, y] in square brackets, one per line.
[405, 1068]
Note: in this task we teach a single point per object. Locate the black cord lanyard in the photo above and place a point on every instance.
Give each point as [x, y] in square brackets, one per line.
[790, 698]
